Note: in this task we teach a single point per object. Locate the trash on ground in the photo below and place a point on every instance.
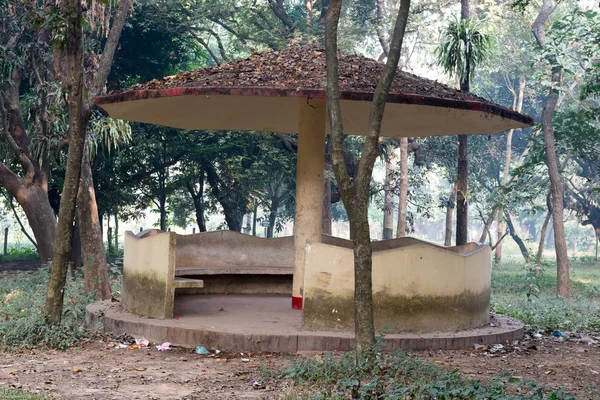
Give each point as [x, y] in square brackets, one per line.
[537, 336]
[201, 350]
[217, 351]
[121, 346]
[163, 347]
[257, 385]
[245, 359]
[142, 342]
[557, 333]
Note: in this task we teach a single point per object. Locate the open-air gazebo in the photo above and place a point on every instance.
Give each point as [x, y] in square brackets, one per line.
[283, 91]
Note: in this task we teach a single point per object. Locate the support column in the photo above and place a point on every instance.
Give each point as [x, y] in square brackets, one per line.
[309, 186]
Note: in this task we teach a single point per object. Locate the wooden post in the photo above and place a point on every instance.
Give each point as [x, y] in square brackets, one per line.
[6, 240]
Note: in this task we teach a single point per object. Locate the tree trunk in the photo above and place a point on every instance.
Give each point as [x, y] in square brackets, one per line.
[41, 218]
[254, 215]
[449, 211]
[538, 258]
[272, 216]
[556, 185]
[95, 271]
[326, 218]
[403, 189]
[75, 259]
[462, 177]
[355, 192]
[116, 233]
[461, 190]
[388, 198]
[109, 232]
[78, 117]
[516, 238]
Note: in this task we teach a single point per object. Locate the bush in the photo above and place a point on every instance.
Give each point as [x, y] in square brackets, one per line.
[400, 376]
[22, 325]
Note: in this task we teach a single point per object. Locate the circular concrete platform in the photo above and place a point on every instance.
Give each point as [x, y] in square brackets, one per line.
[259, 323]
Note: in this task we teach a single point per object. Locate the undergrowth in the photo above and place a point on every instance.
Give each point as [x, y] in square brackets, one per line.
[6, 394]
[397, 376]
[22, 325]
[518, 293]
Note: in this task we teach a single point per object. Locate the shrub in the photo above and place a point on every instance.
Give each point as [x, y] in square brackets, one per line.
[22, 325]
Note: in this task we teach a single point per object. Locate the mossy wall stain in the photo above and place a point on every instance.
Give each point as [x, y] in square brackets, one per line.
[396, 313]
[147, 294]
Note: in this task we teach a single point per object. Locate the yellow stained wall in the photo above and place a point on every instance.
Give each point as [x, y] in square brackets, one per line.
[418, 287]
[148, 274]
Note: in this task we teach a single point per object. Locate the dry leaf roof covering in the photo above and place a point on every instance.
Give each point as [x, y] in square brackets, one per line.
[302, 68]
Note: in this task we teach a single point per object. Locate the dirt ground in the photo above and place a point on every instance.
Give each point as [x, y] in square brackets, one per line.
[96, 370]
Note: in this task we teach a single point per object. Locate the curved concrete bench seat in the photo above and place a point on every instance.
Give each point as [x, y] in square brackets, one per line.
[249, 270]
[417, 286]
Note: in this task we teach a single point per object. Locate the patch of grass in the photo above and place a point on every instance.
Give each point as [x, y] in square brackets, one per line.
[22, 325]
[543, 309]
[19, 253]
[400, 376]
[7, 394]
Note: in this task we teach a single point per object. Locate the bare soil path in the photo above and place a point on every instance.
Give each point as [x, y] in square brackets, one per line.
[96, 370]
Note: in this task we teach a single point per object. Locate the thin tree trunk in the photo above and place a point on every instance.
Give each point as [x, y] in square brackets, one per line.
[254, 215]
[517, 106]
[272, 217]
[516, 238]
[78, 117]
[388, 198]
[449, 211]
[109, 233]
[556, 185]
[116, 233]
[538, 258]
[462, 177]
[326, 216]
[95, 271]
[403, 189]
[75, 259]
[486, 227]
[355, 192]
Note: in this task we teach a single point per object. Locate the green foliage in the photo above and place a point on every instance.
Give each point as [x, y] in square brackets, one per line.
[22, 324]
[8, 394]
[400, 376]
[463, 47]
[513, 286]
[19, 253]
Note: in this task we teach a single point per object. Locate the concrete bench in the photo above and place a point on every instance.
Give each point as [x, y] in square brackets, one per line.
[149, 281]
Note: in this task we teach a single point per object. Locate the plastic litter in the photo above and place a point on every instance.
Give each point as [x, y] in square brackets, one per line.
[163, 347]
[201, 350]
[142, 342]
[257, 385]
[557, 334]
[121, 346]
[537, 336]
[245, 359]
[217, 351]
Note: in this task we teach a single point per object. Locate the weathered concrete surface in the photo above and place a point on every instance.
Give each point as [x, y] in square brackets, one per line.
[149, 274]
[266, 323]
[309, 186]
[231, 251]
[417, 287]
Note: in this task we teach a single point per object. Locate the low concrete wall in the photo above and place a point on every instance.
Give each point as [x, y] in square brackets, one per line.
[417, 287]
[148, 266]
[233, 249]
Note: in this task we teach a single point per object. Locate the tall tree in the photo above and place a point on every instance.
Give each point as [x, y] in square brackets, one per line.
[463, 47]
[556, 184]
[80, 99]
[355, 192]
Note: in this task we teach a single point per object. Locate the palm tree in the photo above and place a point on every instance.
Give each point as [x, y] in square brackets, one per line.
[463, 47]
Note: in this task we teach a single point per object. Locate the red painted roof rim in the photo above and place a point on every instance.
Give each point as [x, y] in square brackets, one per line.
[398, 98]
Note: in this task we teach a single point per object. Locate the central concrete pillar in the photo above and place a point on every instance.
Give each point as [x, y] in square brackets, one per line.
[309, 186]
